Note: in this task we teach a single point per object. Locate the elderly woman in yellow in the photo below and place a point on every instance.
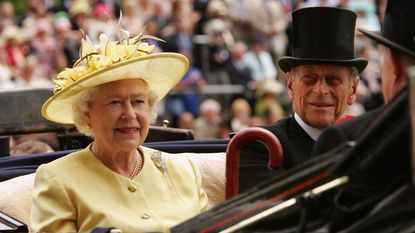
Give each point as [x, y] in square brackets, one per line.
[110, 94]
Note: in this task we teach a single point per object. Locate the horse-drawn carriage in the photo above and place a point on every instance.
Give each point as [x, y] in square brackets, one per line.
[374, 173]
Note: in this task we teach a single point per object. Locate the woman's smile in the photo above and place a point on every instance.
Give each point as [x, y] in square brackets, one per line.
[131, 131]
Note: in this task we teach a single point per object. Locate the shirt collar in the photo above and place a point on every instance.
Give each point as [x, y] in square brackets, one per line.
[314, 133]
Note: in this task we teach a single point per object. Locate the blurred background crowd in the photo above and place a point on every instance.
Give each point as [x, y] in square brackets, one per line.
[233, 45]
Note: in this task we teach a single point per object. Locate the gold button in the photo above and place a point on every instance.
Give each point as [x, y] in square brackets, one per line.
[145, 216]
[132, 188]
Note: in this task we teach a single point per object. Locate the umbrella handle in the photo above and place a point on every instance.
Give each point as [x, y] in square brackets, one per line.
[271, 142]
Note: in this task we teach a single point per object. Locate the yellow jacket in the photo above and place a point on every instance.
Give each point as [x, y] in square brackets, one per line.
[77, 193]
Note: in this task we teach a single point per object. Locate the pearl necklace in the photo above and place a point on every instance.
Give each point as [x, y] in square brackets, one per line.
[137, 166]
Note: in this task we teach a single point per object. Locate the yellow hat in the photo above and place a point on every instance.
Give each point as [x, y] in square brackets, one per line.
[129, 58]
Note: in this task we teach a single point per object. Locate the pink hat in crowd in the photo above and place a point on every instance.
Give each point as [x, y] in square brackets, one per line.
[102, 10]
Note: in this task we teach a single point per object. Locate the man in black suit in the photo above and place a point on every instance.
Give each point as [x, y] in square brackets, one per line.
[322, 79]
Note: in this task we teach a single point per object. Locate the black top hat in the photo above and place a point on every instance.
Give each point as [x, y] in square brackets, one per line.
[398, 29]
[323, 35]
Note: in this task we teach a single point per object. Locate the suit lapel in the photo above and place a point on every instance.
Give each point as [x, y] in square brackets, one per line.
[299, 137]
[296, 143]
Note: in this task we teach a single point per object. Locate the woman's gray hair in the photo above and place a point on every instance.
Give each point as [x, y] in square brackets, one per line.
[83, 103]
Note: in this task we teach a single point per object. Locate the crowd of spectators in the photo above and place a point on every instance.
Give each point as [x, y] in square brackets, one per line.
[228, 42]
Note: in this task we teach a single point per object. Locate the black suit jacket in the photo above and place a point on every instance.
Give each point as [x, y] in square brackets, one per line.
[296, 145]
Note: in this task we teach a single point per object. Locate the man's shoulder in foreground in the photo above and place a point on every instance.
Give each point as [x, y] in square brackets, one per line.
[348, 130]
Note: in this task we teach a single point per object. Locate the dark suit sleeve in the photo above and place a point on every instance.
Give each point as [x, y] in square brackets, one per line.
[349, 130]
[329, 139]
[253, 166]
[296, 146]
[254, 158]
